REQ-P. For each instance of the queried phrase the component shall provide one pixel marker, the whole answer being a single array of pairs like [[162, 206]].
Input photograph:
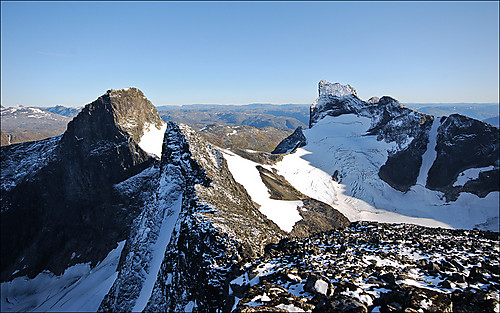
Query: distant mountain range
[[286, 117], [66, 111], [20, 124], [487, 112]]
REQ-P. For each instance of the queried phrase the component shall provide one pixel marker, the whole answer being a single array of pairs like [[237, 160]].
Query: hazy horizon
[[277, 104]]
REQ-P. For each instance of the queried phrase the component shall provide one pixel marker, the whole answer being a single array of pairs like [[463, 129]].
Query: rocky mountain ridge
[[216, 226]]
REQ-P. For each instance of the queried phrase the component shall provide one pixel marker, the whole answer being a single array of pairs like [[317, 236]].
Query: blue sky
[[70, 53]]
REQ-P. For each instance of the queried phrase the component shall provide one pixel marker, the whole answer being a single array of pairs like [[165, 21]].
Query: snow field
[[471, 174], [339, 143], [430, 154]]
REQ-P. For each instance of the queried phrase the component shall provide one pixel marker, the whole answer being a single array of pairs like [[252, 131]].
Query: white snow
[[263, 298], [283, 213], [358, 294], [430, 154], [294, 278], [321, 286], [471, 174], [167, 227], [152, 140], [338, 143], [289, 307], [79, 288]]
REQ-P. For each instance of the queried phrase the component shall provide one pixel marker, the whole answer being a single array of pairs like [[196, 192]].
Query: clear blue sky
[[245, 52]]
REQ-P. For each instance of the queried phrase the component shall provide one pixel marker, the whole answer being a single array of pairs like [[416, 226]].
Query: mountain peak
[[124, 90], [326, 88], [333, 99], [126, 108]]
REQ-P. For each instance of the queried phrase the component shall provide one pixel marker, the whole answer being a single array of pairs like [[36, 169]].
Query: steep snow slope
[[430, 154], [81, 288], [341, 144], [167, 227]]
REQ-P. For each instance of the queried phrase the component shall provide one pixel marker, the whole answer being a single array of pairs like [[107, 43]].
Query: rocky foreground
[[372, 267]]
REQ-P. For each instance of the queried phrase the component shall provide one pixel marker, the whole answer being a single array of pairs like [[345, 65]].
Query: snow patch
[[321, 286], [289, 308], [152, 140], [471, 174]]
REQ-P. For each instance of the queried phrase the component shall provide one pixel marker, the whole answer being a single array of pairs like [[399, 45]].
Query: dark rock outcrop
[[465, 143], [291, 143], [316, 216]]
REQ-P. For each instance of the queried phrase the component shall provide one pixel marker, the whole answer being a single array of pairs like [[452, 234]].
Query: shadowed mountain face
[[60, 200], [464, 143]]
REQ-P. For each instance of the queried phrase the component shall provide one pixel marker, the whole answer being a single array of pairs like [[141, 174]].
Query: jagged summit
[[326, 88], [337, 99]]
